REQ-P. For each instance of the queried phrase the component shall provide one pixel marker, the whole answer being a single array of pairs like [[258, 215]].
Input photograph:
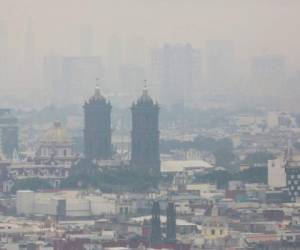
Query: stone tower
[[155, 224], [97, 127], [171, 222], [145, 134]]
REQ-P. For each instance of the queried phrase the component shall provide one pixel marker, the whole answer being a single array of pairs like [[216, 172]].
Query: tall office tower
[[78, 76], [131, 77], [114, 61], [292, 172], [268, 75], [220, 66], [29, 46], [97, 128], [52, 71], [177, 70], [3, 52], [86, 40], [155, 237], [145, 134], [8, 133], [171, 222]]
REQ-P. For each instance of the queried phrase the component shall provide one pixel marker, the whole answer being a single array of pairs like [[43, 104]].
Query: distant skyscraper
[[86, 41], [177, 69], [3, 52], [29, 46], [97, 127], [131, 77], [114, 61], [292, 171], [268, 75], [171, 222], [52, 72], [220, 66], [155, 225], [78, 76], [145, 134], [8, 133]]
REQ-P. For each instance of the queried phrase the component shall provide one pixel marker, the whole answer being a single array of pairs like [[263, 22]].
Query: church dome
[[145, 98], [56, 134], [97, 97]]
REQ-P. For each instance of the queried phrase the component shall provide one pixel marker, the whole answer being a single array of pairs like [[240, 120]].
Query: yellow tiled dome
[[56, 134]]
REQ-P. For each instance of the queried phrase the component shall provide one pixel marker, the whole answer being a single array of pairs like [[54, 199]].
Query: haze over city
[[149, 124], [125, 33]]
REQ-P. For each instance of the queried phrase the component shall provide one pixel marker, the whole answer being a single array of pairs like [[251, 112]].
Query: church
[[145, 154]]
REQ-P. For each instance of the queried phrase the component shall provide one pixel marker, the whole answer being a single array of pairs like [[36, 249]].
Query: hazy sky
[[256, 26]]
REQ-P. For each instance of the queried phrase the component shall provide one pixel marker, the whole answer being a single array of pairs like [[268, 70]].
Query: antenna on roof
[[145, 89]]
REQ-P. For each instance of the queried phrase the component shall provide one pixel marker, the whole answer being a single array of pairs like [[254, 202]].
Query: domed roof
[[215, 220], [145, 98], [97, 97], [56, 134]]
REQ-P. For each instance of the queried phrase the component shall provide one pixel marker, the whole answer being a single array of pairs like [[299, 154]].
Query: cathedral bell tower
[[97, 127], [145, 134]]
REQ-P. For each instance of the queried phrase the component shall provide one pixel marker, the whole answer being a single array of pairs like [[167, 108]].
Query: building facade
[[292, 170], [145, 134], [171, 222], [97, 128], [52, 162], [276, 173], [155, 224], [8, 133]]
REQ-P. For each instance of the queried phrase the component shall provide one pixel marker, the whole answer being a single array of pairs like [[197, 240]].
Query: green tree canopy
[[33, 184]]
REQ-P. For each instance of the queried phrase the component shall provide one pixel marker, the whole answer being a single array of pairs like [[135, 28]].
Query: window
[[213, 232]]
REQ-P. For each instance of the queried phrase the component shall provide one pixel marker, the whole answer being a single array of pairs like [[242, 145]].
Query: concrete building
[[8, 133], [292, 170], [269, 72], [66, 204], [177, 70], [276, 173]]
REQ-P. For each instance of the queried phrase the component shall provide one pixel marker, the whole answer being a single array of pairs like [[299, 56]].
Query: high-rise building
[[145, 134], [171, 222], [68, 79], [113, 62], [78, 76], [177, 70], [155, 224], [86, 41], [52, 72], [8, 133], [3, 52], [131, 77], [292, 170], [97, 127], [268, 73], [220, 66], [276, 173]]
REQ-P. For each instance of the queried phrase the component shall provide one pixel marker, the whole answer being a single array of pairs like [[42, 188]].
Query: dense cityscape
[[177, 134]]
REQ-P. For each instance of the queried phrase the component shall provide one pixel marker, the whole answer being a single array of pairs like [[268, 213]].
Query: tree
[[33, 184], [258, 159]]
